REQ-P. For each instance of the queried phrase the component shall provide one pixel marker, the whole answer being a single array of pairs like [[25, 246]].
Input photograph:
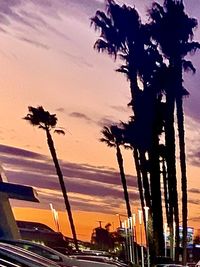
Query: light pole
[[120, 222], [55, 217], [124, 226], [142, 251], [146, 212], [135, 237], [132, 239], [165, 235], [174, 234], [129, 241]]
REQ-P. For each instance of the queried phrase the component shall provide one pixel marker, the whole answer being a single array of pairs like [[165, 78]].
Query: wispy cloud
[[194, 190], [106, 121], [35, 43], [121, 108], [103, 121], [61, 109], [84, 182], [78, 60], [194, 201], [80, 115], [192, 140]]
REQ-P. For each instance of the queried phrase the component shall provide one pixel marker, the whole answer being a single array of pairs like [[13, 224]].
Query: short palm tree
[[47, 122], [113, 138]]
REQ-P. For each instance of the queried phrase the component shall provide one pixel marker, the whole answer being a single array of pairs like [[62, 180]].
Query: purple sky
[[47, 58]]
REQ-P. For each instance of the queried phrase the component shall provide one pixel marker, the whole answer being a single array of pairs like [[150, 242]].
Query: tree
[[173, 30], [112, 137], [102, 238], [47, 122], [123, 35]]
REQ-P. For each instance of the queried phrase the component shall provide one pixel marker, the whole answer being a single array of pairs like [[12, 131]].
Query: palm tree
[[133, 137], [123, 35], [47, 122], [173, 30], [112, 137], [119, 39]]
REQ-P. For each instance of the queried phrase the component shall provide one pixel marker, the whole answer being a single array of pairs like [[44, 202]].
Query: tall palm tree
[[132, 136], [47, 122], [172, 28], [123, 35], [112, 137]]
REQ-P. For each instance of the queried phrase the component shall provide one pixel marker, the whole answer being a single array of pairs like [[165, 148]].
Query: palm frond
[[191, 48], [107, 142], [39, 117], [188, 66], [103, 46]]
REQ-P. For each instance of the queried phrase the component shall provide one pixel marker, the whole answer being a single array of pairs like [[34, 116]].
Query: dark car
[[20, 257], [6, 263], [59, 258], [41, 233]]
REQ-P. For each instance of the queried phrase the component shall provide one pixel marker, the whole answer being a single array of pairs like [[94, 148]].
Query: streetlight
[[131, 240], [146, 212], [120, 222], [124, 226], [55, 217], [165, 236], [135, 237], [140, 223]]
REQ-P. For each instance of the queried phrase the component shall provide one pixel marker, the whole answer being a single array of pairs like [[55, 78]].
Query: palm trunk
[[180, 119], [166, 191], [171, 170], [140, 187], [139, 178], [145, 180], [156, 197], [123, 180], [62, 185]]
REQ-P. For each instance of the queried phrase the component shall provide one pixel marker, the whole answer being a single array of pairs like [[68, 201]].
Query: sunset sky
[[47, 58]]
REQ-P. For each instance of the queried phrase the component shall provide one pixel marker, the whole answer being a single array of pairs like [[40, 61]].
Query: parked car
[[6, 263], [95, 252], [198, 264], [56, 256], [41, 233], [20, 257], [100, 258], [169, 265]]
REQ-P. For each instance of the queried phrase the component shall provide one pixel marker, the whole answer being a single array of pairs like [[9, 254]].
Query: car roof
[[21, 254]]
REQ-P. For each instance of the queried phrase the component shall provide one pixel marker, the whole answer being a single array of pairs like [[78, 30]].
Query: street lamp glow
[[134, 219], [142, 251], [140, 216], [146, 213], [146, 210]]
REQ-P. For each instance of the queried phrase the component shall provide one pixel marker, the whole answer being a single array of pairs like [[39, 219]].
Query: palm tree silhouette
[[112, 136], [123, 35], [47, 122], [173, 30], [132, 136], [119, 39]]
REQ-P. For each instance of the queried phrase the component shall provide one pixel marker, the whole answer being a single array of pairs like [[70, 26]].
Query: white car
[[57, 257], [198, 264]]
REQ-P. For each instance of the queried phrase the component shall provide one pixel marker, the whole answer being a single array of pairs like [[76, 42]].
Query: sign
[[190, 234]]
